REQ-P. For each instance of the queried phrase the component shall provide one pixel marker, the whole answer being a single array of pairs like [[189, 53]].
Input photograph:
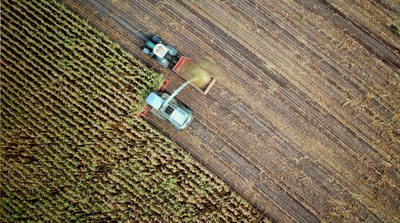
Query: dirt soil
[[304, 117]]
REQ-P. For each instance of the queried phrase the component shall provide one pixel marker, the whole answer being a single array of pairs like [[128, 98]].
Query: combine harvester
[[164, 105]]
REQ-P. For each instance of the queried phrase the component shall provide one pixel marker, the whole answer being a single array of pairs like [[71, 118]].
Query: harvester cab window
[[169, 110]]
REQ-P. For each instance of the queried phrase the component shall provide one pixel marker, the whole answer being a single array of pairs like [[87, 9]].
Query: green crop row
[[73, 148]]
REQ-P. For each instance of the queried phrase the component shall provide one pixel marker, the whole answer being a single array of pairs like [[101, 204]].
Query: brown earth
[[304, 118]]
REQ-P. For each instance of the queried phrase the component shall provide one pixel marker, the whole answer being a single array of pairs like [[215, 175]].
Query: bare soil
[[304, 117]]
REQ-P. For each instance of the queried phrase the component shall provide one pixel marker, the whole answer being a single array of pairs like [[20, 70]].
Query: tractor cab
[[164, 54]]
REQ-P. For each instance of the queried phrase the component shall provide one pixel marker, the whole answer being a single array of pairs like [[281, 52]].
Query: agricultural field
[[72, 146], [303, 120]]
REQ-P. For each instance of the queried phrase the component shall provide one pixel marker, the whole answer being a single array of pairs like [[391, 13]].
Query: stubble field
[[304, 118]]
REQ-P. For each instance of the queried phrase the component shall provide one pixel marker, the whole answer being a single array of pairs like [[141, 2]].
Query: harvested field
[[304, 118], [72, 146]]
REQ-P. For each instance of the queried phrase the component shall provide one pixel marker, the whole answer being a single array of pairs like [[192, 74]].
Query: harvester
[[165, 105]]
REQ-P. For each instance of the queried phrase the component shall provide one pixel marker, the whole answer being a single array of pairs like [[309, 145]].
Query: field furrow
[[304, 117]]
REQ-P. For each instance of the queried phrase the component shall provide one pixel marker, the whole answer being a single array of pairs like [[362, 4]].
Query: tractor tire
[[146, 51], [155, 39]]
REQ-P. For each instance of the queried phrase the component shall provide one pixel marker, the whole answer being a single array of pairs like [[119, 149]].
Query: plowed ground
[[304, 118]]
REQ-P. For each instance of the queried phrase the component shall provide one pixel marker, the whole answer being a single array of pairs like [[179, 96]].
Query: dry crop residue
[[304, 118]]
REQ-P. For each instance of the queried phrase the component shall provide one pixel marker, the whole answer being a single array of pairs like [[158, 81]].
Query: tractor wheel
[[164, 62], [155, 39], [146, 50], [174, 60]]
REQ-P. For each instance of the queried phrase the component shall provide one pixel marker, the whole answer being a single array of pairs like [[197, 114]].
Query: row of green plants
[[73, 146]]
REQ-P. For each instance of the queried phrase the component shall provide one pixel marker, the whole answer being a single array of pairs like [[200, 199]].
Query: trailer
[[184, 65]]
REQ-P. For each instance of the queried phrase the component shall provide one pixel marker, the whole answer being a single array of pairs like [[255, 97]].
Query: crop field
[[303, 120], [72, 146]]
